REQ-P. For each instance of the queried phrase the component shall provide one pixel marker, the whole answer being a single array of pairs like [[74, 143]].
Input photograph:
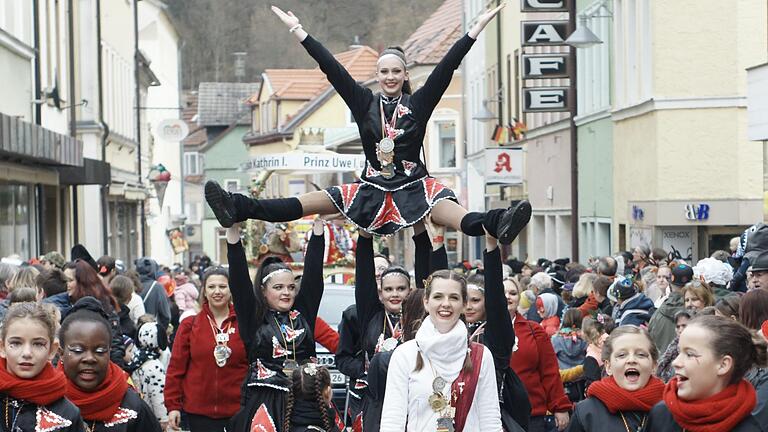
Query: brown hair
[[733, 339], [123, 288], [23, 295], [52, 282], [449, 275], [753, 309], [25, 277], [701, 290], [29, 310], [413, 314], [308, 387], [601, 285], [594, 328], [572, 319], [729, 306], [628, 330], [88, 283], [211, 271]]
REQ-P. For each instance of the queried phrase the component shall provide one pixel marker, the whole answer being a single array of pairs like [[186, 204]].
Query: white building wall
[[159, 41]]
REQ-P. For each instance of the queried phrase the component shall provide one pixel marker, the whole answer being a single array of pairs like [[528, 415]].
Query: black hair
[[397, 269], [87, 309], [268, 265], [378, 255]]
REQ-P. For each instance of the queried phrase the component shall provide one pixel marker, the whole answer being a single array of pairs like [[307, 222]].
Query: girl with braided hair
[[308, 406], [395, 190]]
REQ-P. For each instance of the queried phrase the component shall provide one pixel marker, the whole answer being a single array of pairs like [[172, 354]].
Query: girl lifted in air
[[395, 190]]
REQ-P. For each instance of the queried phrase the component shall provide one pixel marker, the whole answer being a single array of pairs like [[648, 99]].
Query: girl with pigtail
[[308, 406], [276, 320]]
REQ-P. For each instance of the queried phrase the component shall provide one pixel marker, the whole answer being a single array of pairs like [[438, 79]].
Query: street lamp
[[485, 115], [583, 37]]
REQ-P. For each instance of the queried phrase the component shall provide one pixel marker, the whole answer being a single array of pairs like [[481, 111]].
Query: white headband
[[274, 272], [476, 287], [390, 55]]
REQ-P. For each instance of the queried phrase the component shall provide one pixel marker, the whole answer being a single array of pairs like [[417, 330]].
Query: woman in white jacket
[[438, 381]]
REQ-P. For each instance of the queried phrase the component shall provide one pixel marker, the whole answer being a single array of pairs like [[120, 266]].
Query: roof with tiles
[[197, 135], [221, 104], [432, 40], [306, 84]]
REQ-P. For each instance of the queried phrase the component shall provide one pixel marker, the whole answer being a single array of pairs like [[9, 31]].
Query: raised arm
[[499, 331], [423, 249], [366, 291], [426, 98], [356, 97], [312, 285], [241, 287]]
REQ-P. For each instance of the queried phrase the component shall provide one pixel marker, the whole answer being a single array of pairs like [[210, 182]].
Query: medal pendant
[[221, 353], [389, 345], [445, 424], [387, 171], [289, 366], [437, 402], [222, 338], [438, 384], [386, 145]]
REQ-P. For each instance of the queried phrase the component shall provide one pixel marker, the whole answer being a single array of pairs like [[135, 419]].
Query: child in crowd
[[31, 390], [96, 385], [709, 392], [308, 407], [122, 289], [185, 294], [148, 369], [632, 306], [546, 305], [665, 370], [621, 401], [570, 349], [595, 331], [527, 298]]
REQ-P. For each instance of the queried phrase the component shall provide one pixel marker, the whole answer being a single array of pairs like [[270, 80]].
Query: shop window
[[446, 136], [15, 228]]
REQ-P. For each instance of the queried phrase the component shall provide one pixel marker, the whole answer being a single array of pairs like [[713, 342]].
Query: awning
[[93, 172]]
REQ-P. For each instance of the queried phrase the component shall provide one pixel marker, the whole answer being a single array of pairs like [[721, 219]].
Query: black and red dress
[[384, 202]]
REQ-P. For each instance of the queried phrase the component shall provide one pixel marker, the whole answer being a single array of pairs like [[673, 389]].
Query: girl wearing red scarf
[[96, 385], [709, 392], [31, 390], [621, 401]]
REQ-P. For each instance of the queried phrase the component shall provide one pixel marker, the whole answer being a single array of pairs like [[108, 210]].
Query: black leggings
[[198, 423]]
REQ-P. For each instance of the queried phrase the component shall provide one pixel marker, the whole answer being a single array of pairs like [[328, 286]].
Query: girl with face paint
[[96, 385], [395, 190]]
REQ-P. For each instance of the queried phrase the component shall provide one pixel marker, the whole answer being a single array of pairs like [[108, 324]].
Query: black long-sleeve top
[[412, 117], [350, 359], [263, 339]]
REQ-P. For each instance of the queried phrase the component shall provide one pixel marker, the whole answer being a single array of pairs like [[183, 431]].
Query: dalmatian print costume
[[149, 378]]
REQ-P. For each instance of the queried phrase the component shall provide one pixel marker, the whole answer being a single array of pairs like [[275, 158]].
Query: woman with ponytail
[[709, 392], [621, 400], [31, 390], [276, 321], [94, 384], [440, 380], [308, 407], [395, 190]]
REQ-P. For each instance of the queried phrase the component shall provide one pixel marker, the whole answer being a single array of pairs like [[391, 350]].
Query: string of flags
[[514, 131]]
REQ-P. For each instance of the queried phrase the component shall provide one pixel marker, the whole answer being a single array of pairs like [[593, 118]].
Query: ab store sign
[[545, 66]]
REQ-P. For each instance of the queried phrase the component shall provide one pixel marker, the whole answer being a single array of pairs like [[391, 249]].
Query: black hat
[[681, 275], [761, 263], [80, 252]]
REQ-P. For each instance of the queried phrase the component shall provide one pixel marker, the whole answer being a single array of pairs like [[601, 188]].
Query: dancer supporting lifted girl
[[395, 190]]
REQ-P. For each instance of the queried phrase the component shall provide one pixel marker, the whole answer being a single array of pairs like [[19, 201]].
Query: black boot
[[221, 202], [507, 224], [230, 208], [472, 224]]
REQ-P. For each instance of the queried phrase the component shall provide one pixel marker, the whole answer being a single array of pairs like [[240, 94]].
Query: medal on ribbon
[[385, 149], [221, 353]]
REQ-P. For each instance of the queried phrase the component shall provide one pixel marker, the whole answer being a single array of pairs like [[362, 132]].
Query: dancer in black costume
[[395, 190], [276, 324]]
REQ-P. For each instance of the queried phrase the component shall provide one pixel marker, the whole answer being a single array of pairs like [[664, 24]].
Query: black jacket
[[134, 415], [25, 415], [350, 358], [660, 420], [592, 415]]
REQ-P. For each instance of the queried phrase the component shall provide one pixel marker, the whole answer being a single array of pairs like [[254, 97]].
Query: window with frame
[[193, 163], [446, 138], [232, 185]]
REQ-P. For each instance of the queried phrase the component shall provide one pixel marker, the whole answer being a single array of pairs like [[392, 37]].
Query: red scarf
[[102, 403], [47, 387], [721, 412], [618, 399], [463, 395]]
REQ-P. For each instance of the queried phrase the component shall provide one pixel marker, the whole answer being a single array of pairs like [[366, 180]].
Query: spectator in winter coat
[[632, 306], [546, 307], [541, 283], [662, 323], [185, 294], [154, 295]]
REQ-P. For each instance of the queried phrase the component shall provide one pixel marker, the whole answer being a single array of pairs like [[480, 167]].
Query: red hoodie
[[535, 363], [194, 383], [325, 335]]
